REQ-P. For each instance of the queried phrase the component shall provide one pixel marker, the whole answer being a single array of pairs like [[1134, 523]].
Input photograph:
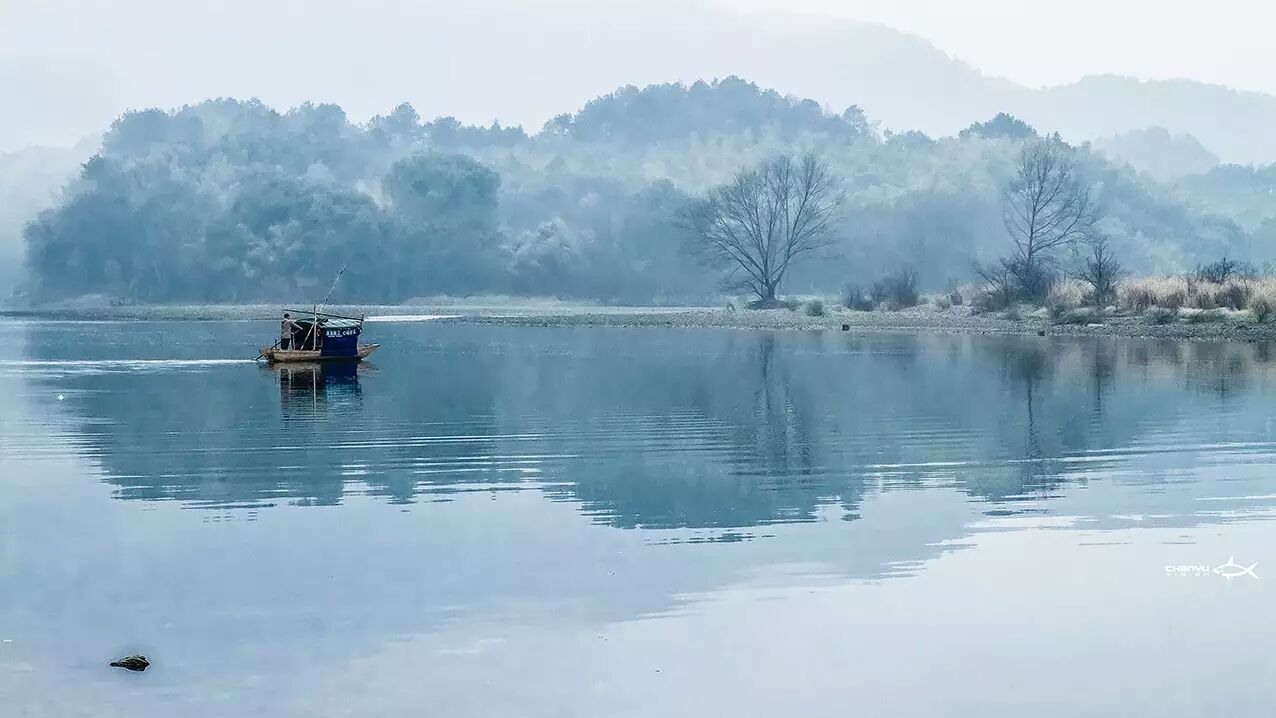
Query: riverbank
[[1188, 324], [1192, 326]]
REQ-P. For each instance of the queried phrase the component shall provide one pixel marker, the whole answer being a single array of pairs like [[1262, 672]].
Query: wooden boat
[[321, 337], [275, 354]]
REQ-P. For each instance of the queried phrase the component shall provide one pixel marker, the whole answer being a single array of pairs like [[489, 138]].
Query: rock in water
[[133, 663]]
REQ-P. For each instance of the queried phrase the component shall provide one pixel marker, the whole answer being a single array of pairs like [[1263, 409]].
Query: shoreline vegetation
[[1238, 308], [667, 194], [1187, 323]]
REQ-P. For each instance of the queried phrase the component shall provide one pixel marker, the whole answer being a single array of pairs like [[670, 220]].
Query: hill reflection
[[676, 429]]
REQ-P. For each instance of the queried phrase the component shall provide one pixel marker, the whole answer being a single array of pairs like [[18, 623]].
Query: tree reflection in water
[[662, 428]]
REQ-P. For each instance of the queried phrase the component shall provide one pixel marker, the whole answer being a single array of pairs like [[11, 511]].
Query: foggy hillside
[[1234, 125], [30, 180], [1163, 156], [448, 59], [232, 200]]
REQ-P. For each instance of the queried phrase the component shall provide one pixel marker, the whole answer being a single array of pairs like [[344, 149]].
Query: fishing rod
[[333, 288], [314, 328]]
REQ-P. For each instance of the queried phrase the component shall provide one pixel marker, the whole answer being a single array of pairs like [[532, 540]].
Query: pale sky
[[67, 67], [1228, 42]]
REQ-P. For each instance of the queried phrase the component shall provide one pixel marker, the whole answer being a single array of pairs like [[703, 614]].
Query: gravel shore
[[957, 320], [1233, 326]]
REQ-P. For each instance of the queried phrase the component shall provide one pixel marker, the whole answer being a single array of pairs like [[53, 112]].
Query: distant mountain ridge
[[1234, 125], [537, 61], [928, 90], [1165, 157]]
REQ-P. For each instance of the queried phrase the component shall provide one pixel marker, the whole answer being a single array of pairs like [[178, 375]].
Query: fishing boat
[[319, 336]]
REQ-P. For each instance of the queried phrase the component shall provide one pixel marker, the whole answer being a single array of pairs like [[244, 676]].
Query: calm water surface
[[488, 521]]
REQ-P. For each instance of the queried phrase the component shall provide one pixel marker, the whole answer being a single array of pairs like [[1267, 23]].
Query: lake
[[496, 521]]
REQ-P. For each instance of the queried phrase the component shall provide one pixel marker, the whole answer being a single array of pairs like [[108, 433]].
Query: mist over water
[[610, 521]]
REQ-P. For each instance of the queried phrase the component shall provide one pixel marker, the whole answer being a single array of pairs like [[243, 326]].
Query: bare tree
[[1101, 270], [999, 284], [764, 220], [1224, 269], [1046, 206]]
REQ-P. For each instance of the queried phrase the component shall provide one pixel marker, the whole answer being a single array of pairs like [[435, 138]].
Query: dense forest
[[232, 200]]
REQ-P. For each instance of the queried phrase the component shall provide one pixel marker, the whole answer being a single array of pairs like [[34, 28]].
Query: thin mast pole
[[334, 284]]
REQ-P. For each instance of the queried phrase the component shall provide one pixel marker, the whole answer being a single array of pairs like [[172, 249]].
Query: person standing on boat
[[286, 330]]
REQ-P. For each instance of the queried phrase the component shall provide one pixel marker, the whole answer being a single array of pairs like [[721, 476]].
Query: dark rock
[[1041, 332], [846, 327], [133, 663]]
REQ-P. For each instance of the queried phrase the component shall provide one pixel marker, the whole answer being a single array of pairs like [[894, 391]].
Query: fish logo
[[1231, 569]]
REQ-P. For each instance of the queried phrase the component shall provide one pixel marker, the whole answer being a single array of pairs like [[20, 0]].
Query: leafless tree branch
[[765, 219], [1046, 206]]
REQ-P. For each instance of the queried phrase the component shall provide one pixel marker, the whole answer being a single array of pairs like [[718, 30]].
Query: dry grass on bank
[[1195, 300], [1159, 299], [1137, 295]]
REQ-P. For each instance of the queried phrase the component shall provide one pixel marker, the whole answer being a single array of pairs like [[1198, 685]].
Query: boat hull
[[276, 355]]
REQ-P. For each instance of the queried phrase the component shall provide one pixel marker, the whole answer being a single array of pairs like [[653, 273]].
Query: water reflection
[[714, 430], [679, 521], [307, 388]]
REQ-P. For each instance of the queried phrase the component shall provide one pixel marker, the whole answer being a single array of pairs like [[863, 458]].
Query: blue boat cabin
[[334, 337]]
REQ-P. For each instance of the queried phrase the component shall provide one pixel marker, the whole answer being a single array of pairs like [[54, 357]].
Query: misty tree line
[[230, 201]]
